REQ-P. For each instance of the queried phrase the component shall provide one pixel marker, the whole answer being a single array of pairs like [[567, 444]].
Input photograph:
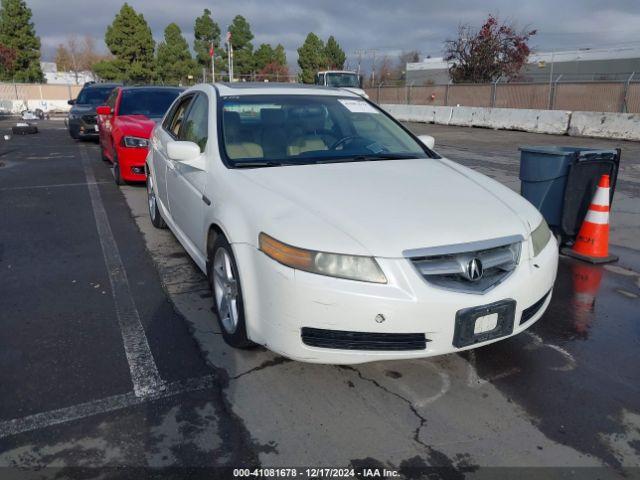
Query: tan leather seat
[[244, 150], [235, 145], [310, 140]]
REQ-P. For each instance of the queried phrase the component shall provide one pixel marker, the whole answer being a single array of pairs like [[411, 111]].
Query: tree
[[263, 56], [174, 58], [496, 50], [18, 34], [77, 55], [88, 54], [267, 55], [108, 70], [63, 59], [311, 58], [280, 55], [241, 37], [206, 32], [130, 40], [411, 56], [334, 54], [7, 58], [274, 71]]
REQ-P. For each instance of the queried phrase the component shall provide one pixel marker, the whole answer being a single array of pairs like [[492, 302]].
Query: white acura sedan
[[331, 234]]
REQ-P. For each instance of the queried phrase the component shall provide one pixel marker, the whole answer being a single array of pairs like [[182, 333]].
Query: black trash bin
[[561, 181]]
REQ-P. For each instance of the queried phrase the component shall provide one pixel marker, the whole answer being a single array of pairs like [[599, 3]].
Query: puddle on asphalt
[[577, 371]]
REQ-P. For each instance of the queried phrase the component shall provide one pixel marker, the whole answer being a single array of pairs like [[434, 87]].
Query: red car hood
[[136, 125]]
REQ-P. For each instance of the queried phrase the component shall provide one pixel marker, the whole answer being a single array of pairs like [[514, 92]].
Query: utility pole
[[359, 52], [373, 51]]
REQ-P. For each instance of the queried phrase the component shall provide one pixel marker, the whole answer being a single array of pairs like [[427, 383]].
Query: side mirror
[[103, 110], [183, 151], [428, 141], [72, 101]]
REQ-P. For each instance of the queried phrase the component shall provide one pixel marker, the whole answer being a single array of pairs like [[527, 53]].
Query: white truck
[[341, 79]]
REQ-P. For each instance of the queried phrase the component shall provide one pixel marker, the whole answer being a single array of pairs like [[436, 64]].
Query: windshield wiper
[[257, 164], [266, 163], [369, 158]]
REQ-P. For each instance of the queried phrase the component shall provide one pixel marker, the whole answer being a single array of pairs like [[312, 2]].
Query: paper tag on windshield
[[357, 106]]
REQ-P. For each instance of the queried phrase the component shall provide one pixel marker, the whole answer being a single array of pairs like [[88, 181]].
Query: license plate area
[[486, 322]]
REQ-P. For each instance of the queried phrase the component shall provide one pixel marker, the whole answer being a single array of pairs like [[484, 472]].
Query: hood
[[137, 125], [383, 208], [83, 109]]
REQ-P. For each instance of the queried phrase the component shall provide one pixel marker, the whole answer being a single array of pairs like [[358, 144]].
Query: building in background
[[54, 77], [586, 65]]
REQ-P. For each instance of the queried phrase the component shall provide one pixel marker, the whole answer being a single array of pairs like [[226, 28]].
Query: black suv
[[82, 121]]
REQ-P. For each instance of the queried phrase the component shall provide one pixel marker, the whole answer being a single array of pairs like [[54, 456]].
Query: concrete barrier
[[527, 120], [623, 126]]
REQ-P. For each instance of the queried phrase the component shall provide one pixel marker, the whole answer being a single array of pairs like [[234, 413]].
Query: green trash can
[[560, 182]]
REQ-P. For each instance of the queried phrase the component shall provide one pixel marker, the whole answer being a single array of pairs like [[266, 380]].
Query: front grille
[[90, 119], [344, 340], [451, 269], [529, 312]]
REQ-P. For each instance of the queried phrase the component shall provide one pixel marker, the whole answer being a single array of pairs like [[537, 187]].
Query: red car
[[125, 123]]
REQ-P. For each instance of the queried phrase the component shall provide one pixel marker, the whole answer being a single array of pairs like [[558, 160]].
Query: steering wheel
[[343, 141]]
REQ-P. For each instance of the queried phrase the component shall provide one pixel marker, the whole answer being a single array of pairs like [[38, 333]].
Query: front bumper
[[280, 302], [132, 162], [80, 127]]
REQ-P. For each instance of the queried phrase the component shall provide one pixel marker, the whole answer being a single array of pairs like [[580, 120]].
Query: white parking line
[[57, 185], [144, 372], [97, 407]]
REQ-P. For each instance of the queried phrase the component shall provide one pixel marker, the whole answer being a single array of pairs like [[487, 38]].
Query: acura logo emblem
[[474, 270]]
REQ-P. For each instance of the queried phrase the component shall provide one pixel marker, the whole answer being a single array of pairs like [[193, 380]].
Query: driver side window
[[173, 122], [195, 127]]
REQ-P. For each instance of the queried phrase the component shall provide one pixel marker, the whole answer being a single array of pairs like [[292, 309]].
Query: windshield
[[94, 95], [272, 130], [148, 102], [350, 80]]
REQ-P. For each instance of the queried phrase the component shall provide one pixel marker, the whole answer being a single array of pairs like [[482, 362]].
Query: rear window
[[94, 95], [148, 102]]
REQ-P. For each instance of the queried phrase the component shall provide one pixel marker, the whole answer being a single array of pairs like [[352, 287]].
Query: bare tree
[[77, 55], [495, 50]]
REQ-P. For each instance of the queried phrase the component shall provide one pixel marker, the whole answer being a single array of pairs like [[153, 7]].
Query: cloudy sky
[[389, 26]]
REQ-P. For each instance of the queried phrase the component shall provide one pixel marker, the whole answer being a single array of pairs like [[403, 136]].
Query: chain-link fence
[[576, 96]]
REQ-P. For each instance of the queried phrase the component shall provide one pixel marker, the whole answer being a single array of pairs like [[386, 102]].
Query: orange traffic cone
[[592, 243]]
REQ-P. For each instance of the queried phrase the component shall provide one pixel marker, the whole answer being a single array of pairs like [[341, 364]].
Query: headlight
[[540, 237], [135, 142], [352, 267]]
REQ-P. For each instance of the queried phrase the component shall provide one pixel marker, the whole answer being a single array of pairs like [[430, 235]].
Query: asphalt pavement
[[111, 356]]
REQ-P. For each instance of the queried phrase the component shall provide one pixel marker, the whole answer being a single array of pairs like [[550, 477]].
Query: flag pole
[[213, 63], [230, 56]]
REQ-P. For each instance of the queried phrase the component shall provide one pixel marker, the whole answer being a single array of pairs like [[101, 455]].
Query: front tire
[[117, 175], [152, 201], [227, 294], [103, 157]]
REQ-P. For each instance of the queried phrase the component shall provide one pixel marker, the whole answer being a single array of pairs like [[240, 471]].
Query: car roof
[[272, 88], [101, 85], [151, 87]]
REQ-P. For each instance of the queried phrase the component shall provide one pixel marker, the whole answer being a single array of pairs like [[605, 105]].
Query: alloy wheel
[[226, 290], [151, 198]]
